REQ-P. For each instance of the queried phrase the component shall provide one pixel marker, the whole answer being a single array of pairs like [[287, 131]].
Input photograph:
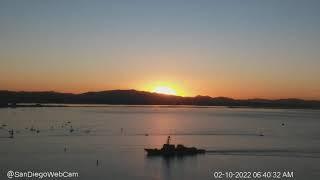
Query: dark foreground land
[[133, 97]]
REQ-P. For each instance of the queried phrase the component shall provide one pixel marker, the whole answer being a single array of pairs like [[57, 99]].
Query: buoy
[[71, 129], [11, 132]]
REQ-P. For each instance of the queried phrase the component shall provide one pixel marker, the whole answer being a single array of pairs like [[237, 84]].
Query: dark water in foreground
[[232, 137]]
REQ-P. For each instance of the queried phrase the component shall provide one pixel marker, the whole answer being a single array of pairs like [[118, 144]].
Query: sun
[[164, 90], [163, 87]]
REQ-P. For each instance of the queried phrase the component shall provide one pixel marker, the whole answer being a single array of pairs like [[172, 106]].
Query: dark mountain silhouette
[[133, 97]]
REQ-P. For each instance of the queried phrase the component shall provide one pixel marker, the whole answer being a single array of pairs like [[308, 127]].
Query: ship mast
[[168, 140]]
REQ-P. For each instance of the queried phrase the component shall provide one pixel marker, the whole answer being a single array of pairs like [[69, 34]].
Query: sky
[[239, 49]]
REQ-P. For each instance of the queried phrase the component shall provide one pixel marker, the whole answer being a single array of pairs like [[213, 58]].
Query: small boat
[[172, 150]]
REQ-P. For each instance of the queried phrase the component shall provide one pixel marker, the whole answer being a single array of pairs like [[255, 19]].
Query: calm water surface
[[116, 137]]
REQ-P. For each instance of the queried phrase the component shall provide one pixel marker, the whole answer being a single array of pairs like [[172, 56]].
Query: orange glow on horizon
[[164, 88], [172, 87]]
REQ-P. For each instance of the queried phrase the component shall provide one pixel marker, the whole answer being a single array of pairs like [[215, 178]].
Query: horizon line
[[254, 98]]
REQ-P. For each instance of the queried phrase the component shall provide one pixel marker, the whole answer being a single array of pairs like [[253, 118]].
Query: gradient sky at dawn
[[239, 49]]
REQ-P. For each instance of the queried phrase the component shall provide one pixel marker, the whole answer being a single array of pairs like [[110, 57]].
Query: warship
[[172, 150]]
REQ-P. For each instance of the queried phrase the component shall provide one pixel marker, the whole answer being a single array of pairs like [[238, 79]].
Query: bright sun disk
[[164, 90]]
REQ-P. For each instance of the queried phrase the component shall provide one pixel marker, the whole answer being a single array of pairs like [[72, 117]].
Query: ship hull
[[185, 152]]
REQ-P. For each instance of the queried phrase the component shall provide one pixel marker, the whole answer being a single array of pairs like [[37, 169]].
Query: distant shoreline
[[13, 99], [37, 105]]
